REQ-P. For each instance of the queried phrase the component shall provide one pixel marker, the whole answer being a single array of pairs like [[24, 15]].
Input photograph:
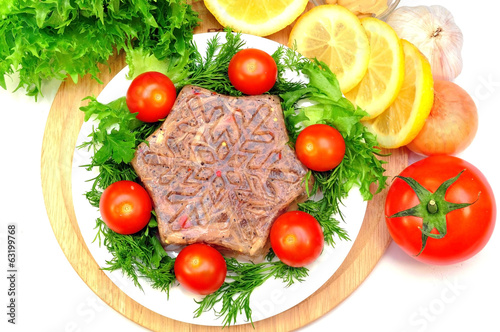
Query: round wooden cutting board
[[61, 132]]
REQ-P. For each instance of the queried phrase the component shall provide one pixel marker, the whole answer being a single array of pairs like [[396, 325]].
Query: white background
[[399, 295]]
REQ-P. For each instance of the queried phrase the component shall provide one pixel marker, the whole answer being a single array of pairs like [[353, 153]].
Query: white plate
[[268, 300]]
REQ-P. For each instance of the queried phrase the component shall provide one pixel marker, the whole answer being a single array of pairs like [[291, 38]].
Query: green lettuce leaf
[[53, 39]]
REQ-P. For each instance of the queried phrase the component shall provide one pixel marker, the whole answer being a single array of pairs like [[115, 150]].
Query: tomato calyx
[[432, 208]]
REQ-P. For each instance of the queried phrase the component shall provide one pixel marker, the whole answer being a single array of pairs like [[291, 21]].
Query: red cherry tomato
[[297, 238], [252, 71], [151, 95], [462, 231], [200, 269], [125, 207], [320, 147]]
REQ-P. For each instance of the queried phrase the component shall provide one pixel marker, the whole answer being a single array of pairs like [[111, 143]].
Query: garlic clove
[[434, 31]]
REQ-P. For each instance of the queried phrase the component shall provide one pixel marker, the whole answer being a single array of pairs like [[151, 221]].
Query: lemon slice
[[381, 84], [256, 17], [334, 35], [402, 121]]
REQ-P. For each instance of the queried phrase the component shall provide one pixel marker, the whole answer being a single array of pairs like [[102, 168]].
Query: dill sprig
[[140, 255], [324, 212], [109, 172], [243, 279], [287, 62], [210, 71]]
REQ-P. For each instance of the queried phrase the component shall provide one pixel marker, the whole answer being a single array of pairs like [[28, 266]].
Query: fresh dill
[[210, 71], [138, 256], [243, 279]]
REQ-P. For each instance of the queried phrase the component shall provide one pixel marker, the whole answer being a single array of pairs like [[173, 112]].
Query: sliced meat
[[219, 170]]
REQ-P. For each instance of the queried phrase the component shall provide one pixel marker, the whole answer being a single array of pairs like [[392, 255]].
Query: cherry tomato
[[151, 95], [200, 269], [451, 125], [320, 147], [457, 232], [252, 71], [297, 238], [125, 207]]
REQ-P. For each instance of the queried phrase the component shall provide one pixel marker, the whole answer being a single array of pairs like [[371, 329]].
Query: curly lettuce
[[53, 39]]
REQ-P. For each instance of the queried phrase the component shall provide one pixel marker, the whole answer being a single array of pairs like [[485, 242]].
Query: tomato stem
[[433, 213], [432, 207]]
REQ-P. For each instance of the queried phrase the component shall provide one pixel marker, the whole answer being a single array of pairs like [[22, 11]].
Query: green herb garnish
[[210, 71], [138, 256], [113, 143], [42, 40], [244, 278], [325, 104]]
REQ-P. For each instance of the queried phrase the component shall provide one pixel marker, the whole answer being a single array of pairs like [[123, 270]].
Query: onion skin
[[451, 125]]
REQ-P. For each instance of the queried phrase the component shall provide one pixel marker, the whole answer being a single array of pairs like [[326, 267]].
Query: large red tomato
[[151, 95], [252, 71], [297, 238], [125, 207], [200, 269], [320, 147], [451, 215]]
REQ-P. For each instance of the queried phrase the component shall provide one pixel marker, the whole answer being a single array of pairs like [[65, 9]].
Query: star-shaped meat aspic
[[220, 170]]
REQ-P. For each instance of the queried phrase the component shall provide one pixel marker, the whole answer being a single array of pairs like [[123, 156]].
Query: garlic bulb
[[433, 30]]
